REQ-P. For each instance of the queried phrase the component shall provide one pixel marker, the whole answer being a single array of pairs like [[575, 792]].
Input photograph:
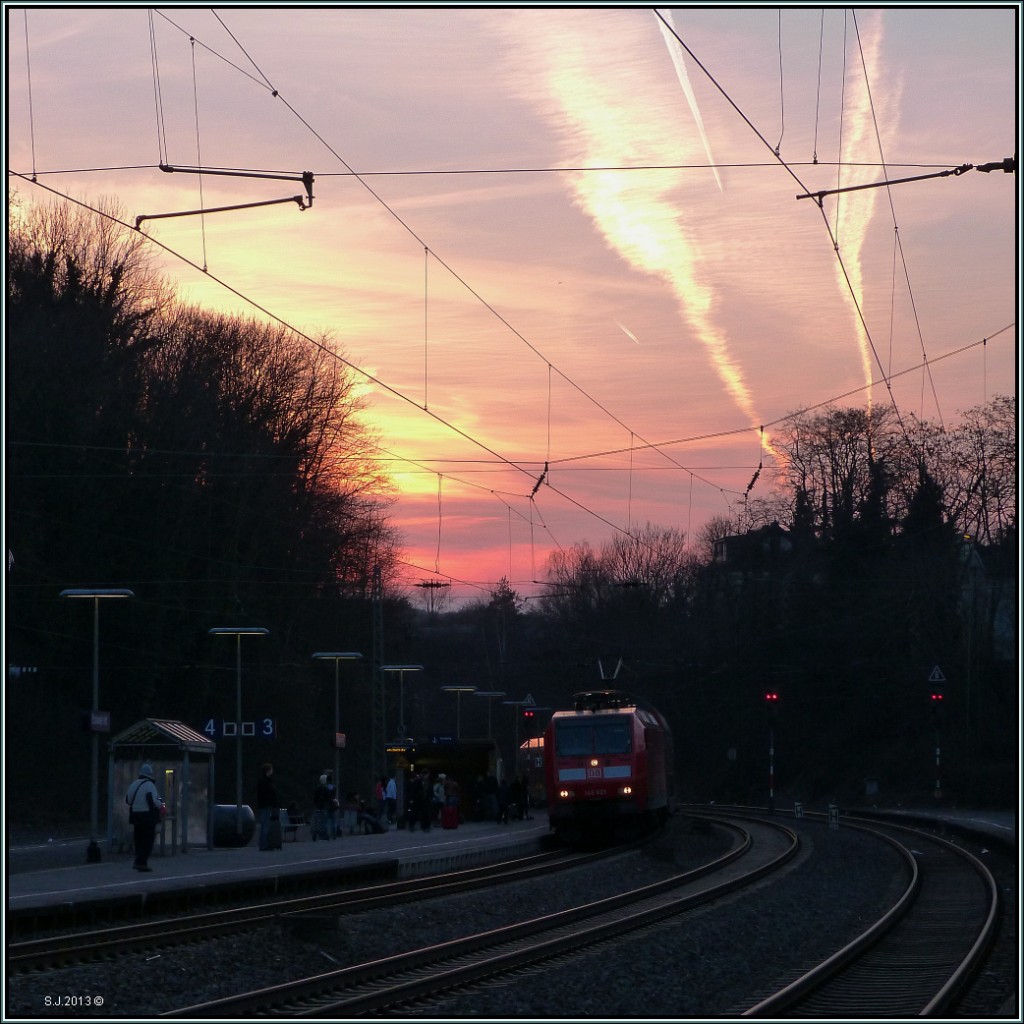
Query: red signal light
[[771, 696]]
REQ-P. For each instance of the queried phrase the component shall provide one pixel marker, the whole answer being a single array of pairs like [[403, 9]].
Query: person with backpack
[[144, 812]]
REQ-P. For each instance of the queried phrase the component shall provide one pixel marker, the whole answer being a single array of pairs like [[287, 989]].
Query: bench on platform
[[291, 822]]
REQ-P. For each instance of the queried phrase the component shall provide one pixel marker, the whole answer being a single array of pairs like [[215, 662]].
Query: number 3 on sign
[[269, 728]]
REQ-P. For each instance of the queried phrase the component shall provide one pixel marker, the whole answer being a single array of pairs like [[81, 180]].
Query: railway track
[[916, 960], [432, 972], [163, 932]]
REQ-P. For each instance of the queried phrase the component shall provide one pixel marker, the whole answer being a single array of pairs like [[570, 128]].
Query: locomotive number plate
[[593, 773]]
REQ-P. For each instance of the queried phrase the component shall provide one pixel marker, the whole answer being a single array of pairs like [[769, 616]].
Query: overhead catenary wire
[[199, 152], [832, 235], [161, 126], [498, 315], [521, 465], [817, 98], [368, 376], [782, 93], [892, 213], [419, 172], [447, 267], [633, 444], [31, 114]]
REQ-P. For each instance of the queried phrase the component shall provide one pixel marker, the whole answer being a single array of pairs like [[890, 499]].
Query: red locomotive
[[608, 767]]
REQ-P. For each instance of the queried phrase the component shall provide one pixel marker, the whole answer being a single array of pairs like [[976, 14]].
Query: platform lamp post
[[238, 632], [400, 781], [458, 691], [401, 670], [489, 696], [337, 656], [96, 594]]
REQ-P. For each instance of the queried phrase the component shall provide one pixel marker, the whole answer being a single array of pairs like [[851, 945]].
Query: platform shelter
[[183, 764]]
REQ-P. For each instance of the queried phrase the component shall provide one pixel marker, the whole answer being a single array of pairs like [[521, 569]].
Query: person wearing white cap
[[321, 809], [143, 802]]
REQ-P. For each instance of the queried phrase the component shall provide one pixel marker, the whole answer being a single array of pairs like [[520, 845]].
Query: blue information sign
[[222, 728]]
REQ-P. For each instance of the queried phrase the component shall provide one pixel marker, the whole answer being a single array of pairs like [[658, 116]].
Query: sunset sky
[[562, 239]]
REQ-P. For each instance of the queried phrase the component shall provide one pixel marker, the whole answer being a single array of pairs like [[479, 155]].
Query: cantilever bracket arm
[[304, 202], [963, 168], [222, 209]]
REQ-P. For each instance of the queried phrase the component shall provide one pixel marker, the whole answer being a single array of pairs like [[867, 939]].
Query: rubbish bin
[[225, 825]]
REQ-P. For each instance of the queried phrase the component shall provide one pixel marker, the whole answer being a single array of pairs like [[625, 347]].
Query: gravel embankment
[[707, 964]]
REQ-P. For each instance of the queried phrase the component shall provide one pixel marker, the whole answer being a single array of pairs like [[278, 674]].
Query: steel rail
[[915, 959], [398, 980], [85, 946]]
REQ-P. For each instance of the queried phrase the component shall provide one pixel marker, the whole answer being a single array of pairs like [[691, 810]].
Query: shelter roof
[[163, 732]]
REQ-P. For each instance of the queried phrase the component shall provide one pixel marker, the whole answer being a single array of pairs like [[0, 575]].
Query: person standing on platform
[[524, 798], [420, 799], [321, 809], [504, 799], [452, 793], [333, 809], [437, 797], [351, 812], [143, 802], [426, 802], [391, 798], [266, 803]]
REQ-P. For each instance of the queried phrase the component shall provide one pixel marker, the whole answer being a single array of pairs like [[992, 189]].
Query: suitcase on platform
[[274, 834], [449, 817]]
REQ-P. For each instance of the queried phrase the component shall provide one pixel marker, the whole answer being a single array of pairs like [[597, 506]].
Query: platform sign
[[339, 740], [222, 728], [99, 721]]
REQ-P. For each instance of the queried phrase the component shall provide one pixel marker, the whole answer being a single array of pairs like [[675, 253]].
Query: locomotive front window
[[575, 740], [613, 738], [595, 736]]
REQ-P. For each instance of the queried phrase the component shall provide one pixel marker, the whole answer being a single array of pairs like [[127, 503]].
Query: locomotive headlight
[[563, 794], [594, 762], [627, 790]]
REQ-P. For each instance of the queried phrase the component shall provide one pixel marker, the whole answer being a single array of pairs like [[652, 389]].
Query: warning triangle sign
[[528, 699], [936, 676]]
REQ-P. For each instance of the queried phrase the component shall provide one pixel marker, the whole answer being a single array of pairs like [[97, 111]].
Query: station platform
[[1000, 826], [41, 876]]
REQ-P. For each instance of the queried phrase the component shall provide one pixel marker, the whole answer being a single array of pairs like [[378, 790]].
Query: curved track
[[431, 972], [916, 959]]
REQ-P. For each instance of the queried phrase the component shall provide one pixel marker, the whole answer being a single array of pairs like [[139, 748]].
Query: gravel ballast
[[708, 963]]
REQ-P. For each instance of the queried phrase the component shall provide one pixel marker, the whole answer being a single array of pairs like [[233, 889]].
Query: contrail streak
[[627, 332], [854, 215], [684, 80]]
